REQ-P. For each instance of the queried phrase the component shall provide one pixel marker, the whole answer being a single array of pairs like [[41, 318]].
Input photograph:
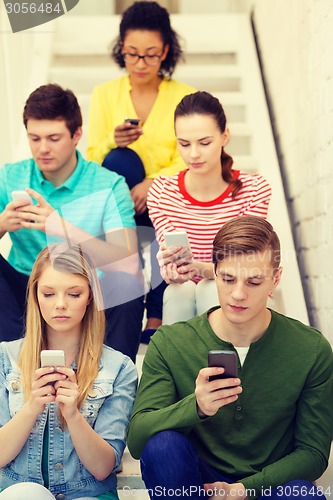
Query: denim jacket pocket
[[15, 392], [96, 397]]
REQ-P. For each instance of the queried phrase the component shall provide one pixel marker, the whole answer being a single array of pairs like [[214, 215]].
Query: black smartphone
[[227, 359], [133, 121]]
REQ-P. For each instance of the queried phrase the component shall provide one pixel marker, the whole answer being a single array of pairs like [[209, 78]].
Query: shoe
[[146, 334]]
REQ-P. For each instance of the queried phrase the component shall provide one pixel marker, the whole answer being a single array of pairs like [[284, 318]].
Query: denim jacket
[[107, 409]]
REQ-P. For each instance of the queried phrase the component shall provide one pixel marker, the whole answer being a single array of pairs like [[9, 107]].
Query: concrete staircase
[[221, 58]]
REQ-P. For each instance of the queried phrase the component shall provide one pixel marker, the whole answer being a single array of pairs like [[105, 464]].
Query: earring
[[271, 295]]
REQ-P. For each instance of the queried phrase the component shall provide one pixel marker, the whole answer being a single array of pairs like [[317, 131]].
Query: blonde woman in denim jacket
[[62, 430]]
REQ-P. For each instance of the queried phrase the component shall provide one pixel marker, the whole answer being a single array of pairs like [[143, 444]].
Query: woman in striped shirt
[[199, 200]]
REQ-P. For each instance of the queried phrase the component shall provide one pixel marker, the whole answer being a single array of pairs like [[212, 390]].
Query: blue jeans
[[123, 299], [170, 462], [127, 163]]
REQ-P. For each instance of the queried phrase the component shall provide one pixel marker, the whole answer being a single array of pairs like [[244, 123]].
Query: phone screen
[[227, 359], [133, 121]]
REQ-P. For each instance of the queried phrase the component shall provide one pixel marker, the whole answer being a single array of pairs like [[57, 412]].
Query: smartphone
[[177, 239], [133, 121], [22, 196], [227, 359], [52, 357]]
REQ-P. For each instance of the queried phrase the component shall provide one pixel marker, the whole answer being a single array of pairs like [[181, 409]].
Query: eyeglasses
[[148, 59]]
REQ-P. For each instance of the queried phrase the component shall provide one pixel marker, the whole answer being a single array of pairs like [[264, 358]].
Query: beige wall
[[296, 41], [121, 5]]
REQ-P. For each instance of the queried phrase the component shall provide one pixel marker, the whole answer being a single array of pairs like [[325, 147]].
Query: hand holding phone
[[22, 196], [226, 359], [177, 239], [127, 132], [52, 357]]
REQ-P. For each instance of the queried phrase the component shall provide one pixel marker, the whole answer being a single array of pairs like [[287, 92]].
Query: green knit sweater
[[281, 426]]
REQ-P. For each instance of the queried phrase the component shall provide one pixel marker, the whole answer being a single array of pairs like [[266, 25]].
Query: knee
[[127, 163], [176, 292], [26, 490], [162, 447], [179, 303], [120, 289], [206, 295]]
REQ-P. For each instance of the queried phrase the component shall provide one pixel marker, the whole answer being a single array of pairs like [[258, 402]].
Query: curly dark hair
[[203, 103], [152, 17]]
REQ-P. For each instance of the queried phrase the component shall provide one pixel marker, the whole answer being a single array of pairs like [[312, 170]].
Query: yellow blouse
[[111, 103]]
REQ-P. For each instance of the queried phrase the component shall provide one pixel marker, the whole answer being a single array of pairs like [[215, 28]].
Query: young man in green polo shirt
[[264, 433], [73, 200]]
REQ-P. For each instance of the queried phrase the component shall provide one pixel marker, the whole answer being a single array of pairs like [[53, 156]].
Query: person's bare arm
[[120, 244]]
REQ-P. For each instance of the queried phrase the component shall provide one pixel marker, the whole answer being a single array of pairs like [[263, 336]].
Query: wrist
[[148, 181], [30, 411], [74, 418], [205, 270], [200, 413]]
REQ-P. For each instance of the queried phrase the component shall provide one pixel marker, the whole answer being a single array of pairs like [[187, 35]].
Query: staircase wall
[[296, 42]]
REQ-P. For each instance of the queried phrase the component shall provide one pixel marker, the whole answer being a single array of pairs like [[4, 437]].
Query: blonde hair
[[68, 260]]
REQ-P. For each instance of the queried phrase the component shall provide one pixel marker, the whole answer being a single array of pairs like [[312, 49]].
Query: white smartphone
[[177, 239], [52, 357], [22, 196]]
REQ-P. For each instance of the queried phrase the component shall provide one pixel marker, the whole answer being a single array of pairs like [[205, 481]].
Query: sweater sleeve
[[100, 133], [157, 407], [313, 430]]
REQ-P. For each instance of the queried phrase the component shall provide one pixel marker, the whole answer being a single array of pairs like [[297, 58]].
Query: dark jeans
[[170, 462], [127, 163], [122, 293]]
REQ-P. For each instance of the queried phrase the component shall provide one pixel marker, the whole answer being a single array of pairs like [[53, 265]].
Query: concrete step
[[82, 79], [232, 102], [221, 33], [130, 477], [223, 61]]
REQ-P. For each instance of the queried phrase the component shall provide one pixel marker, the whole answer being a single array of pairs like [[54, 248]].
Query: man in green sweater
[[264, 434]]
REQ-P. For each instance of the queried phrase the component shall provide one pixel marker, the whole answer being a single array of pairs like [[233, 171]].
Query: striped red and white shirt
[[172, 208]]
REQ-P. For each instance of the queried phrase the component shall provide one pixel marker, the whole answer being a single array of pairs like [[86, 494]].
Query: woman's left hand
[[67, 393], [139, 195]]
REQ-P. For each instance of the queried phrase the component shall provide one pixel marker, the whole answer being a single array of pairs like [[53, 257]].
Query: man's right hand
[[9, 220], [212, 395], [126, 133]]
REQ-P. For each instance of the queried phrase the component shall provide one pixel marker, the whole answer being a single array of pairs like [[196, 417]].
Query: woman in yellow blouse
[[148, 48]]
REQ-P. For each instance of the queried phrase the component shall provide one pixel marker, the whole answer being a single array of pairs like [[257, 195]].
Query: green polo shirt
[[92, 198]]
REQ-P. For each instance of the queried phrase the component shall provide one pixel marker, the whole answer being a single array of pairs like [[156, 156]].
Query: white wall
[[14, 57], [296, 41], [211, 6], [89, 7], [24, 60]]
